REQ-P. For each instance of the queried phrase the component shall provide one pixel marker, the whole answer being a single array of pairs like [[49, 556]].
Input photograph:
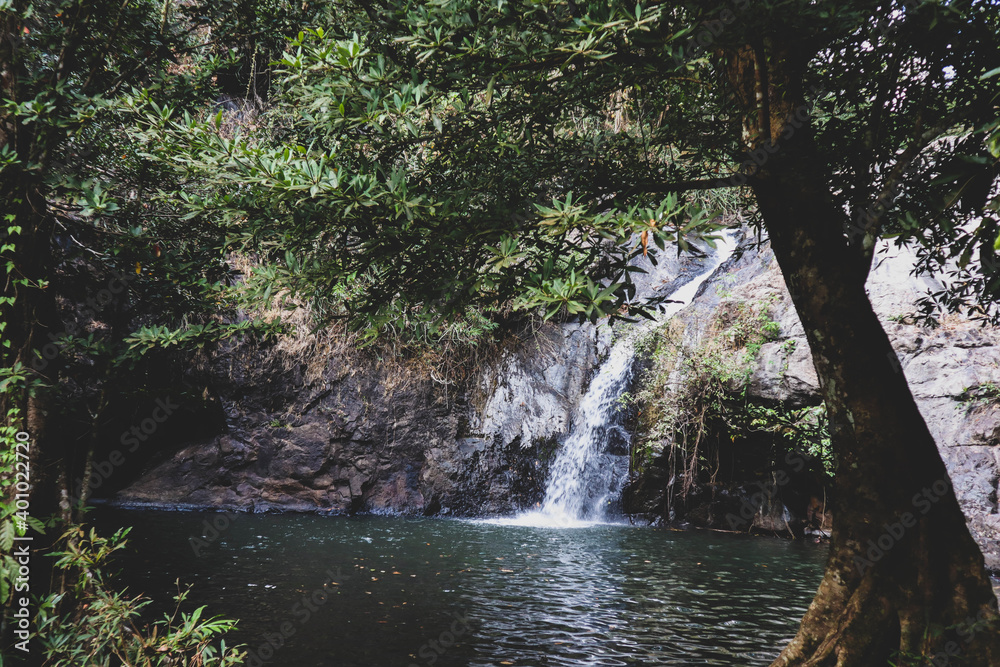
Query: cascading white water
[[585, 477]]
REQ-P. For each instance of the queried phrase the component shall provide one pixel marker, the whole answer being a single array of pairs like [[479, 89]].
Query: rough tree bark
[[903, 564], [905, 580]]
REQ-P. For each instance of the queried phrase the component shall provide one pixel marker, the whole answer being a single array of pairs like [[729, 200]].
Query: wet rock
[[312, 423]]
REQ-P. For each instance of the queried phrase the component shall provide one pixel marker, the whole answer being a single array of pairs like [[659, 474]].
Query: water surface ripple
[[397, 590]]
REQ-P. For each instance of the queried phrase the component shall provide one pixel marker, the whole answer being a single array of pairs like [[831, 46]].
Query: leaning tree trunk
[[905, 581], [904, 578]]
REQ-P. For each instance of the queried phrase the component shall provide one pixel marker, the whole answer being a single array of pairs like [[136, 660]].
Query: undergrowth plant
[[689, 398], [14, 380], [979, 395], [88, 623]]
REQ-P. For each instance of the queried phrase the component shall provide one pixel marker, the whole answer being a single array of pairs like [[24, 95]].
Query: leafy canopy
[[441, 157], [444, 154]]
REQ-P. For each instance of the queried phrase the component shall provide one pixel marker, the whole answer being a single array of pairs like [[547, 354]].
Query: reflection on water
[[380, 591]]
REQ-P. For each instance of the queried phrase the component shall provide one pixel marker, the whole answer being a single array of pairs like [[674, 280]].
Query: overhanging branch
[[697, 184]]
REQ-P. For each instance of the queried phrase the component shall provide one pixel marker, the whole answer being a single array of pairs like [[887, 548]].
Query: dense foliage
[[440, 155], [98, 283], [393, 179], [430, 167]]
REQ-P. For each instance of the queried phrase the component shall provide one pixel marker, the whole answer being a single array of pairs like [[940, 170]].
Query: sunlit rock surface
[[953, 370]]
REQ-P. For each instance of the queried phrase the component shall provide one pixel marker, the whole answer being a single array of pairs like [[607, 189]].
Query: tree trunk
[[905, 581], [903, 566], [32, 319]]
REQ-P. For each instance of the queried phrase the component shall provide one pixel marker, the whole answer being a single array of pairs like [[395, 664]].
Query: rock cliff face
[[313, 425], [953, 371], [322, 428], [317, 430]]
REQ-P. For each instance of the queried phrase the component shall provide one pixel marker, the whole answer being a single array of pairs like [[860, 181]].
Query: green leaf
[[489, 90], [6, 537]]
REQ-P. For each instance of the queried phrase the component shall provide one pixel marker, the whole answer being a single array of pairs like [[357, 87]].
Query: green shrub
[[87, 623], [687, 396]]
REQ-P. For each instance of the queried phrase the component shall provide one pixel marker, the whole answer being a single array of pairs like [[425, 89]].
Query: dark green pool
[[383, 591]]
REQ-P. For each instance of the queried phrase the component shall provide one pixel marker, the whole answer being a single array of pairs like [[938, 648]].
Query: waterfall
[[585, 476]]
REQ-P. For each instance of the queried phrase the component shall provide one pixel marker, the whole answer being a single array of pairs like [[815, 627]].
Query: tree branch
[[679, 186], [867, 225], [614, 199]]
